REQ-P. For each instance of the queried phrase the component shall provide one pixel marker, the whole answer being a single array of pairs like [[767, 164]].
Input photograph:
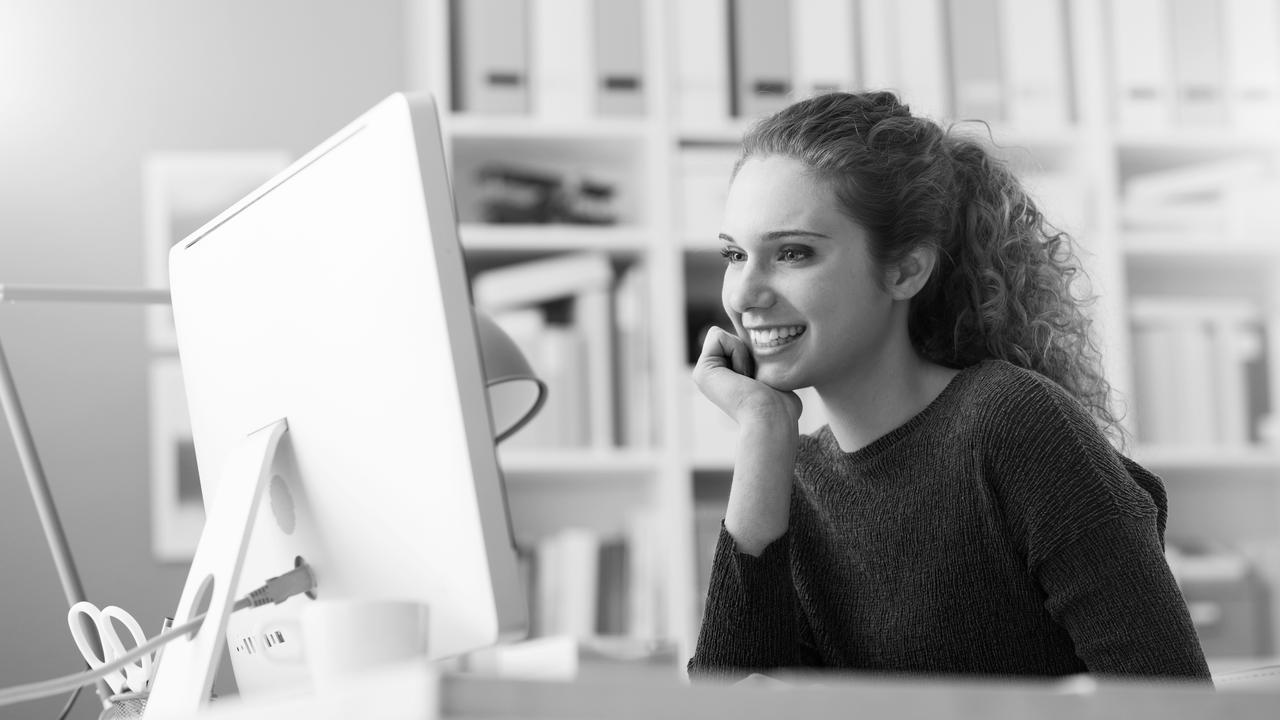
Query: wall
[[86, 89]]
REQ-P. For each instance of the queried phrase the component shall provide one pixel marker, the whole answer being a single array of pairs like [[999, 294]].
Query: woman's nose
[[746, 288]]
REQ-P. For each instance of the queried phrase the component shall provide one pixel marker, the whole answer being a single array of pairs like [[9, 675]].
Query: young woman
[[963, 511]]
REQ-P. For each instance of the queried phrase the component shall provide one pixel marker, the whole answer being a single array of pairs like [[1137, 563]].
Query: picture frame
[[177, 508], [181, 192]]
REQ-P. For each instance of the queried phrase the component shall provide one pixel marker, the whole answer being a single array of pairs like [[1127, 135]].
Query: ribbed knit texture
[[997, 532]]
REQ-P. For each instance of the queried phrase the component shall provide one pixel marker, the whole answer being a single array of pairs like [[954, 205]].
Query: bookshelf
[[1087, 154]]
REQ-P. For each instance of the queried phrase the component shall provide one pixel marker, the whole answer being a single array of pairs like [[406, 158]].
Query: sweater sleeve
[[1091, 535], [1112, 591], [750, 621]]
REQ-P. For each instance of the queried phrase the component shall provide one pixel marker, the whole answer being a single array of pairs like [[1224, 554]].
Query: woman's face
[[799, 284]]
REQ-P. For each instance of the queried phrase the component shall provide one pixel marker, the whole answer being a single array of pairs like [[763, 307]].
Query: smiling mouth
[[775, 337]]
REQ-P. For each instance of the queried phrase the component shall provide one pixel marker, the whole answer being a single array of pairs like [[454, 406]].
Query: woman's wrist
[[759, 505]]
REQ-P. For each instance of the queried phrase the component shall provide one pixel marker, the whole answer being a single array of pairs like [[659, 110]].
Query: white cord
[[277, 590], [45, 688]]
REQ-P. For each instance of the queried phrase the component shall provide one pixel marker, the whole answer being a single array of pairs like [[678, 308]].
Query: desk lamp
[[515, 396]]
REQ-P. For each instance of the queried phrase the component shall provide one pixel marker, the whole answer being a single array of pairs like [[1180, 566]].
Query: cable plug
[[282, 587]]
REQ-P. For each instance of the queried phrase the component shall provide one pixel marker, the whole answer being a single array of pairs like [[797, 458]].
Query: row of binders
[[552, 58], [584, 329], [1196, 63], [582, 583], [997, 60], [1199, 371]]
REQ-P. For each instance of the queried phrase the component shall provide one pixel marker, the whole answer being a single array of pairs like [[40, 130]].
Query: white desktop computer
[[335, 298]]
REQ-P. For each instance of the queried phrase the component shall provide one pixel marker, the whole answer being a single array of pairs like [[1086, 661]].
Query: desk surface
[[418, 691]]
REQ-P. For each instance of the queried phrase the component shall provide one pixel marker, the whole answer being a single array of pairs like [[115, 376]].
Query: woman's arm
[[1090, 529], [1112, 591], [750, 617]]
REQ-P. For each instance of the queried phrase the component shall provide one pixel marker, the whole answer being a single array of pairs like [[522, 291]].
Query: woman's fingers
[[723, 349]]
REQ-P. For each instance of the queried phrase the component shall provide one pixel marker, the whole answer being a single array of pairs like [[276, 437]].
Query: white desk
[[417, 691]]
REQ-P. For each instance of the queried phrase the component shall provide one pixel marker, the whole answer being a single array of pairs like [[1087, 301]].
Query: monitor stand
[[184, 681]]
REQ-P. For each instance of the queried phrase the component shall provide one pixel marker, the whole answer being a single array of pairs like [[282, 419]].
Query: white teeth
[[775, 336]]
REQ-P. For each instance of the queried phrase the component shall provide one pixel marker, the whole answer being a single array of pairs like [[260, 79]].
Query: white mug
[[342, 637]]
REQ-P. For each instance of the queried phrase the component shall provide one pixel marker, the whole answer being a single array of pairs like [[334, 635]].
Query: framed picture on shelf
[[177, 511], [181, 192]]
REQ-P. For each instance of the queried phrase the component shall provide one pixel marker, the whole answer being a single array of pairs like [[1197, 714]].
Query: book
[[1155, 384], [619, 33], [1141, 46], [543, 280], [824, 41], [760, 52], [904, 49], [491, 70], [634, 366], [1180, 182], [701, 82], [976, 65], [562, 61], [645, 588], [1037, 76], [920, 42], [1251, 31], [702, 190], [1198, 58]]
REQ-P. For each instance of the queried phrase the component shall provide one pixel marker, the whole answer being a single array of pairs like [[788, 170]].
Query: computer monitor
[[335, 297]]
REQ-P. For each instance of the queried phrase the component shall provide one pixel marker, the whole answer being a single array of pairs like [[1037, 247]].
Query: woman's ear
[[909, 276]]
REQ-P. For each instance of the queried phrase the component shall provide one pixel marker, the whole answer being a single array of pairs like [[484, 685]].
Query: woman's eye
[[793, 254], [732, 255]]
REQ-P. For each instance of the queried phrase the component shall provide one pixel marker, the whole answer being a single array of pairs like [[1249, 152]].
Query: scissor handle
[[115, 680], [138, 672]]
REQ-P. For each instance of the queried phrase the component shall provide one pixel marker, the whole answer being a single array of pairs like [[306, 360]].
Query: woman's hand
[[768, 437], [725, 373]]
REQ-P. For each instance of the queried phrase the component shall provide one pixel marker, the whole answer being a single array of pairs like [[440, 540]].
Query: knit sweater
[[997, 532]]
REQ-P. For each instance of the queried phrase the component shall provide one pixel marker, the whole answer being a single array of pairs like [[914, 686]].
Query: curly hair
[[1002, 286]]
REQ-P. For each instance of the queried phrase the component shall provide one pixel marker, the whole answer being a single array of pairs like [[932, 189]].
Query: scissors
[[136, 675]]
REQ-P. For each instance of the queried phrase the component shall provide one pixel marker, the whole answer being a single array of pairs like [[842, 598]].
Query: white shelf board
[[1196, 139], [534, 128], [567, 463], [1165, 457], [1199, 245], [609, 238]]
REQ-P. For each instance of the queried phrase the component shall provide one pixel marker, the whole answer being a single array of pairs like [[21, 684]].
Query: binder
[[1252, 37], [619, 50], [976, 73], [823, 38], [760, 48], [1198, 71], [1155, 383], [1143, 64], [1036, 71], [921, 44], [701, 31], [491, 74], [562, 59], [903, 45]]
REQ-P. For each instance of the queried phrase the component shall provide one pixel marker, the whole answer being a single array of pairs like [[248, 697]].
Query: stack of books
[[583, 583], [1233, 197], [1197, 364], [584, 329]]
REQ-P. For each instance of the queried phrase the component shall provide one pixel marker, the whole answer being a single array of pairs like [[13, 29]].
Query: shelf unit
[[1093, 153]]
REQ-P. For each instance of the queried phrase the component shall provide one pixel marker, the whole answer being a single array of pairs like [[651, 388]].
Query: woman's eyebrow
[[776, 235]]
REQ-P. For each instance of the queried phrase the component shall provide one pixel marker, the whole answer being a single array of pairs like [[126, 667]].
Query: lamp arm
[[54, 534], [49, 520]]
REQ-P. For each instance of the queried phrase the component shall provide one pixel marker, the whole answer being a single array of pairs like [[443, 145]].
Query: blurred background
[[590, 143]]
